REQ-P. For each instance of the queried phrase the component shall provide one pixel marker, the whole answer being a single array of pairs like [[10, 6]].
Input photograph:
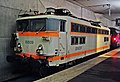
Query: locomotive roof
[[39, 16], [67, 18]]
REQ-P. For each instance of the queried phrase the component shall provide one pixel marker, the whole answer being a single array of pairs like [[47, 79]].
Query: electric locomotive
[[55, 38]]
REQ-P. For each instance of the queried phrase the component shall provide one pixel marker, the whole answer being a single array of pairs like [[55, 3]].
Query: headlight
[[40, 47], [19, 45], [40, 51], [18, 48]]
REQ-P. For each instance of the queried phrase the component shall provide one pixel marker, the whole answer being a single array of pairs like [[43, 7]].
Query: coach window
[[107, 32], [72, 27], [79, 27], [82, 28], [76, 40], [94, 30], [102, 31], [62, 26], [106, 39], [81, 40], [72, 40], [99, 31], [88, 29]]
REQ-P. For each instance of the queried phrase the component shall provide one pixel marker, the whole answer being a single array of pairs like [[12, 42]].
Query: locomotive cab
[[40, 38]]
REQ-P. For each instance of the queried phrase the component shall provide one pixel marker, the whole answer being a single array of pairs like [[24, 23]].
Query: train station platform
[[106, 71], [104, 68]]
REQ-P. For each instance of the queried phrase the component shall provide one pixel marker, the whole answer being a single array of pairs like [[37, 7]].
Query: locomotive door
[[62, 38]]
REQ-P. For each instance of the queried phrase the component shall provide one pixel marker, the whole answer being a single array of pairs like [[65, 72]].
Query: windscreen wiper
[[40, 29]]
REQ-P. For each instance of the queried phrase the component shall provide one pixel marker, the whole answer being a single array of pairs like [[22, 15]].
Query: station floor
[[106, 71]]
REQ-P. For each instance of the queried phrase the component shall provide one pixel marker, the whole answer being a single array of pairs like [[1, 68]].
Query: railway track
[[30, 76]]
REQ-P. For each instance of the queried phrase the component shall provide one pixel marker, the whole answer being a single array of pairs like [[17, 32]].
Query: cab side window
[[62, 26]]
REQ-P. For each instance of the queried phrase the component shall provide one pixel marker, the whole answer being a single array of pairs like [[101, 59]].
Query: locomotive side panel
[[103, 40], [80, 44]]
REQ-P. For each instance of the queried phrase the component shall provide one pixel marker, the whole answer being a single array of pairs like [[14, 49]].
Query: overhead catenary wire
[[11, 8], [20, 10], [42, 4]]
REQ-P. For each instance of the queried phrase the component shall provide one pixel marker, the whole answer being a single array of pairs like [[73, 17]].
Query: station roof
[[106, 7]]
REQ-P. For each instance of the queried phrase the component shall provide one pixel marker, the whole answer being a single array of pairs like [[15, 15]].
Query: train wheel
[[43, 71]]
